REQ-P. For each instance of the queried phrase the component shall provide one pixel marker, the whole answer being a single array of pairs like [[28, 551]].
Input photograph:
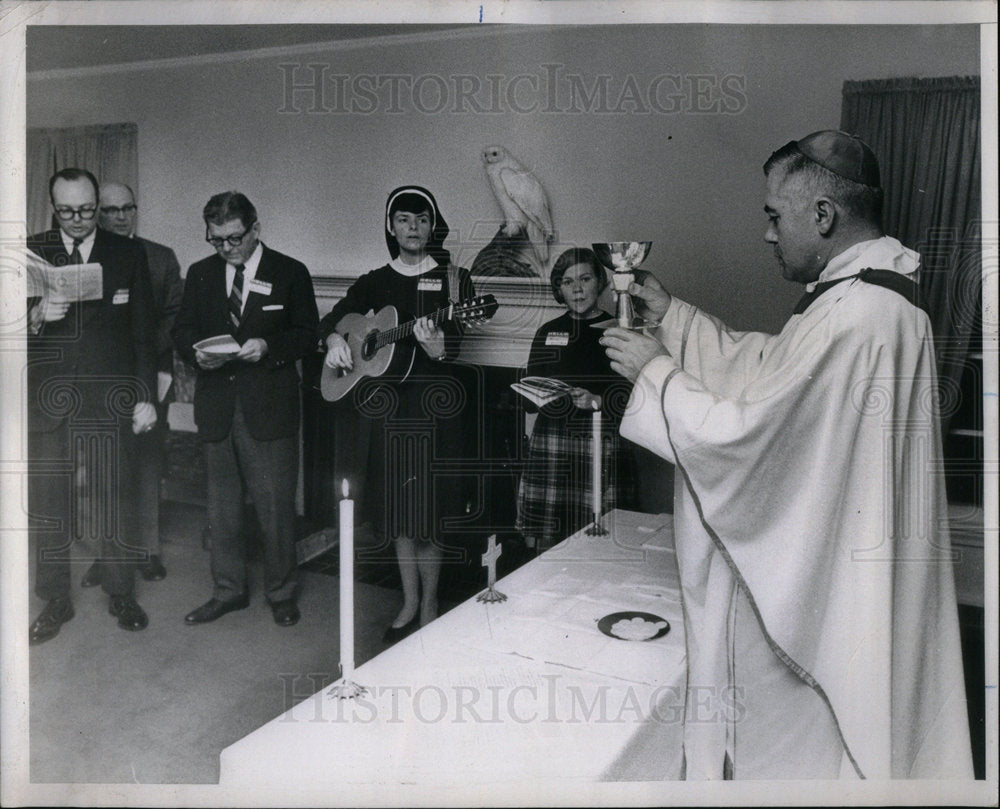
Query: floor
[[157, 706]]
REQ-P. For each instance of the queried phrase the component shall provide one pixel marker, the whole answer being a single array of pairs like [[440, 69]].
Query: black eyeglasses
[[233, 241], [66, 214], [112, 210]]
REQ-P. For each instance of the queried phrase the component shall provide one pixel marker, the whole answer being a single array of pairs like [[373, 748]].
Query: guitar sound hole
[[368, 349]]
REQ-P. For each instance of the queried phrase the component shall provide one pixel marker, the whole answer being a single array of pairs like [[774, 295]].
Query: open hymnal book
[[541, 389], [220, 344], [70, 282]]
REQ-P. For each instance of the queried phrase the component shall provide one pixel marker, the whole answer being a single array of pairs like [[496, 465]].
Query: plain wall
[[690, 179]]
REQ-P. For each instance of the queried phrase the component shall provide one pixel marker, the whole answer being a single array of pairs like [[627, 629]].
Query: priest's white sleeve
[[644, 422], [722, 358]]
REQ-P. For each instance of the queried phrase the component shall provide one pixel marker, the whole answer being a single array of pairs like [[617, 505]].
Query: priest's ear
[[826, 215]]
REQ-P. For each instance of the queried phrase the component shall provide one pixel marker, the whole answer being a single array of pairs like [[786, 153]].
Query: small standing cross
[[493, 551]]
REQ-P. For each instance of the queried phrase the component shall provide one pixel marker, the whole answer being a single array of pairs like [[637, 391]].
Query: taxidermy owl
[[523, 202]]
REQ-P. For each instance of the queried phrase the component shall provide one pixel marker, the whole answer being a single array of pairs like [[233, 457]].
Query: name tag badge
[[260, 287], [429, 285], [557, 338], [121, 296]]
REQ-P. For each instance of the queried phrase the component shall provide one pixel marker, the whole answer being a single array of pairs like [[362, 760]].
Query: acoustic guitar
[[373, 340]]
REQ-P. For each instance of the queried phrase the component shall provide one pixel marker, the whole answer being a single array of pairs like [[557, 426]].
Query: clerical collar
[[883, 262], [885, 253], [427, 263], [85, 246]]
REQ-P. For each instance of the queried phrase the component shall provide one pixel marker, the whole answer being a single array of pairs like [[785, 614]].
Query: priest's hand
[[338, 352], [654, 300], [209, 361], [430, 337], [253, 350], [629, 351], [143, 418]]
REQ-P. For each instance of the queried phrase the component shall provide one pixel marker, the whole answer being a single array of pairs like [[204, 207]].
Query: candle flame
[[344, 487]]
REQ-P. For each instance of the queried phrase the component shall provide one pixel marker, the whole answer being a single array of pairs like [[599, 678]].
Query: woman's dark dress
[[555, 498], [408, 431]]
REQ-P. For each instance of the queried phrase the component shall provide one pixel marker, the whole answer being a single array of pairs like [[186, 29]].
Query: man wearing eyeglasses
[[117, 213], [246, 401], [91, 380]]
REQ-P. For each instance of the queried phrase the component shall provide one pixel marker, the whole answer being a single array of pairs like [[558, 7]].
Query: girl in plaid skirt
[[555, 496]]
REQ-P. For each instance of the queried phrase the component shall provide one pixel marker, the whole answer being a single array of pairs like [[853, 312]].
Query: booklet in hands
[[541, 390], [69, 282], [220, 344]]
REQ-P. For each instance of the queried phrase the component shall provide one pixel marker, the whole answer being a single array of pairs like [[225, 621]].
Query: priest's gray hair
[[863, 202]]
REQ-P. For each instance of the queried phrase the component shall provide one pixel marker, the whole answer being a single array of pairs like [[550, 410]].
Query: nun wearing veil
[[414, 422]]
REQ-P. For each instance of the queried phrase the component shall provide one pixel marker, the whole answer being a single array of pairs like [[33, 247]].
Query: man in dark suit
[[246, 404], [91, 379], [117, 213]]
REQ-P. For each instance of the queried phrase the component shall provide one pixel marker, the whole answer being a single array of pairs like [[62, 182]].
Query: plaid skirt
[[555, 497]]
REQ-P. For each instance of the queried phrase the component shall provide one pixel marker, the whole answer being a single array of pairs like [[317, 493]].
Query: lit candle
[[346, 585], [595, 461]]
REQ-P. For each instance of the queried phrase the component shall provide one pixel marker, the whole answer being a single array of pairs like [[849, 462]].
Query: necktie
[[236, 298], [76, 257]]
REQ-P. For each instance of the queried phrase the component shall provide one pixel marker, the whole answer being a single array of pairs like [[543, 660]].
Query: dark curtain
[[925, 133], [109, 151]]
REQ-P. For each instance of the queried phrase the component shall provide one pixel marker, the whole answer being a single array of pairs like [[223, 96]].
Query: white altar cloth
[[526, 689]]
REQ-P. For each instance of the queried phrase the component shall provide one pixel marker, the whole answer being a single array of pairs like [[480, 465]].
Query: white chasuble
[[809, 478]]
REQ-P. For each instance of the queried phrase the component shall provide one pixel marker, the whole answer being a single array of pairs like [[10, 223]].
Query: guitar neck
[[404, 330]]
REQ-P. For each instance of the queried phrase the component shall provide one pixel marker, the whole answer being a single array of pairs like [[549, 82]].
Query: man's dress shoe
[[394, 634], [128, 612], [214, 609], [153, 570], [286, 613], [92, 577], [46, 626]]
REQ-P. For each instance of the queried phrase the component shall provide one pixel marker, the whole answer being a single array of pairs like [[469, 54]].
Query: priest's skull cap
[[844, 154]]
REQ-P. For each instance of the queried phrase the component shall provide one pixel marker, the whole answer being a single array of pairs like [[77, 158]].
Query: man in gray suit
[[118, 213]]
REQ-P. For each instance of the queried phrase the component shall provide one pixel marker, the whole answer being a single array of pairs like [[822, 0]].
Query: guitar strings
[[405, 329]]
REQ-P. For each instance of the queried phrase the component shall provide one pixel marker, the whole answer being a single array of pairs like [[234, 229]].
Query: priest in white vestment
[[810, 513]]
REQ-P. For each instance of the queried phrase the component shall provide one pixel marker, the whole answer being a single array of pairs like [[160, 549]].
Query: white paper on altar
[[556, 622], [629, 533]]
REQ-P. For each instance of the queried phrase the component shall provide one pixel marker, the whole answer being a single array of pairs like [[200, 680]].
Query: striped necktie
[[76, 257], [236, 298]]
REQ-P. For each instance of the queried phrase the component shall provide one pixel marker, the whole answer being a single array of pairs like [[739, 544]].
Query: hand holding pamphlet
[[70, 282], [541, 390], [221, 344]]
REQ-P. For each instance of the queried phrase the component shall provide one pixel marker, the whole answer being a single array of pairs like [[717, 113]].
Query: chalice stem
[[626, 312]]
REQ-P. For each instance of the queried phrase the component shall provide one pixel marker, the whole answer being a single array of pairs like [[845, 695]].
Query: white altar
[[524, 691]]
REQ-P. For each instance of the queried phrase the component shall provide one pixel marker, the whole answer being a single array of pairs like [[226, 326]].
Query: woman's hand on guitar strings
[[430, 337], [338, 352]]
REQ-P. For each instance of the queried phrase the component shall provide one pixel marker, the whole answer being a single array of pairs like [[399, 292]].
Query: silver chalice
[[622, 258]]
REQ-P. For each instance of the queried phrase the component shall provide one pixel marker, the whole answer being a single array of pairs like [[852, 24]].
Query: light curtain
[[926, 135], [109, 151]]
